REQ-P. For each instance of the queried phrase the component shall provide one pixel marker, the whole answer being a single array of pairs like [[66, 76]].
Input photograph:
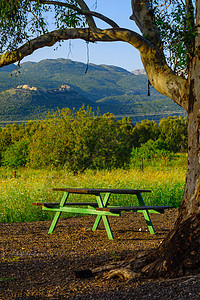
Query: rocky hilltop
[[139, 72]]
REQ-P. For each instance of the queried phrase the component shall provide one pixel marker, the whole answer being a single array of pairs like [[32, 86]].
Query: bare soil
[[37, 265]]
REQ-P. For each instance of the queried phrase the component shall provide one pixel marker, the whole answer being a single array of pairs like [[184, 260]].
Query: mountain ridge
[[112, 89]]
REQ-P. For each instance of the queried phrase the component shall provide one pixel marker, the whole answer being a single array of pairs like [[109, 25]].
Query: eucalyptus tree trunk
[[179, 253]]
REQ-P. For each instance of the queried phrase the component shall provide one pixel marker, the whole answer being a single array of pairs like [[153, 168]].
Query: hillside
[[110, 88], [25, 103]]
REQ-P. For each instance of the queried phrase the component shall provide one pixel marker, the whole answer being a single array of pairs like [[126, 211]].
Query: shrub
[[173, 131], [80, 140], [16, 154], [151, 150]]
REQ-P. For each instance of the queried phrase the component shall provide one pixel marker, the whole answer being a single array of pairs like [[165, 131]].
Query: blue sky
[[115, 53]]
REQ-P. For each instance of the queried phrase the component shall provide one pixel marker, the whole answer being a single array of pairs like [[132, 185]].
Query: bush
[[80, 140], [173, 131], [16, 154], [151, 150], [144, 131]]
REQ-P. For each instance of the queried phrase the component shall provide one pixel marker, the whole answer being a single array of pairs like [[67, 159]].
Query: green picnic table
[[100, 208]]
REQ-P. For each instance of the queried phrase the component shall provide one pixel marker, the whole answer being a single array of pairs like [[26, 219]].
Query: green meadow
[[18, 190]]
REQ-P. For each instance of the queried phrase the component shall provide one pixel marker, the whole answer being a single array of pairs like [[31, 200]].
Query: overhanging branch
[[89, 13], [50, 38], [160, 75]]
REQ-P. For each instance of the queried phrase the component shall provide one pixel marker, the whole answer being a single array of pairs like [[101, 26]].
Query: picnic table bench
[[101, 207]]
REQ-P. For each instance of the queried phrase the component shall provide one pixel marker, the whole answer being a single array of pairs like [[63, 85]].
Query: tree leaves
[[177, 30], [80, 140], [13, 22], [22, 20]]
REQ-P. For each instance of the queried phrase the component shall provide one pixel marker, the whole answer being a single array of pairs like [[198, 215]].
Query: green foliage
[[24, 19], [113, 142], [67, 17], [173, 132], [10, 134], [150, 151], [13, 23], [80, 140], [16, 154], [175, 21], [144, 131]]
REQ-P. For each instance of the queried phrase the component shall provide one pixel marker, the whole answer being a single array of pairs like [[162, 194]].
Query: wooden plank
[[98, 191], [52, 204], [43, 204], [133, 208], [77, 191]]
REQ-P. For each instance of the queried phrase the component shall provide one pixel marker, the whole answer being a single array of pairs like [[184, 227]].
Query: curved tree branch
[[89, 19], [144, 18], [86, 12], [82, 5], [50, 38], [160, 75], [163, 79], [102, 17]]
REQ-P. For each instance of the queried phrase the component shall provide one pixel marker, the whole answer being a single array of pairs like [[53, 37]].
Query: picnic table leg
[[146, 214], [58, 213], [102, 204], [105, 201]]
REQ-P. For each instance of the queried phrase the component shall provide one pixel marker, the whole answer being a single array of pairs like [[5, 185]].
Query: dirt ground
[[36, 265]]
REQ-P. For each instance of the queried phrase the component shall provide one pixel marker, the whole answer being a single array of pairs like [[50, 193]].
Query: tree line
[[81, 139]]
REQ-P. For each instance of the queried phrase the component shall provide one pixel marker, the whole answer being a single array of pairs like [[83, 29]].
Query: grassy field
[[165, 179]]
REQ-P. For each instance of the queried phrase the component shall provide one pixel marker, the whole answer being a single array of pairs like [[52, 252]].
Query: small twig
[[35, 16], [163, 4]]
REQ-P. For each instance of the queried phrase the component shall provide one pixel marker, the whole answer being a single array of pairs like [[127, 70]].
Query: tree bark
[[179, 254]]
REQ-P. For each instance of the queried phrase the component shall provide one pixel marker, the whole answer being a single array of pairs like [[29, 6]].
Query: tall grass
[[16, 194]]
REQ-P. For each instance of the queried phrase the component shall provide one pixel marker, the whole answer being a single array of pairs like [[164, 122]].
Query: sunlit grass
[[17, 194]]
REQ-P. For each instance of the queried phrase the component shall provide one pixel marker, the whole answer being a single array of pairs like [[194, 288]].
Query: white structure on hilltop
[[26, 87]]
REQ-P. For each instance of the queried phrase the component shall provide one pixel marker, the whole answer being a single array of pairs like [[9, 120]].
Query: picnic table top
[[98, 191]]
